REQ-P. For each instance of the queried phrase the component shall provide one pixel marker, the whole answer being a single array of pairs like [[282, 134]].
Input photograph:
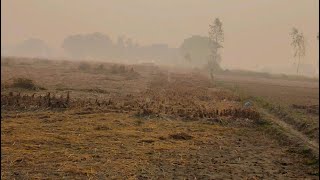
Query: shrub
[[24, 83], [118, 69], [114, 69], [84, 66], [122, 69], [100, 67]]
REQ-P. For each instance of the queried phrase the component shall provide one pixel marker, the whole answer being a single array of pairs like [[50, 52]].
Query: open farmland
[[295, 102], [80, 120], [281, 91]]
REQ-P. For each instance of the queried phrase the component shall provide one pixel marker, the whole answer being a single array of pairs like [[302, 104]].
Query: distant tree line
[[32, 47], [98, 45], [195, 51]]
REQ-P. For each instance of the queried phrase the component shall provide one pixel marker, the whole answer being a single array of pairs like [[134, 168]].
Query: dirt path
[[291, 132]]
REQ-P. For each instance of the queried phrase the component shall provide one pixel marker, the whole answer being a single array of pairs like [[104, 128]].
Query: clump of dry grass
[[181, 136]]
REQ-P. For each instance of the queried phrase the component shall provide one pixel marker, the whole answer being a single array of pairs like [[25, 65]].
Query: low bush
[[115, 69], [100, 67], [84, 66], [23, 83]]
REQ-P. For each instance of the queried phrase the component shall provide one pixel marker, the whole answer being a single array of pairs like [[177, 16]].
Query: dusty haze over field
[[256, 31]]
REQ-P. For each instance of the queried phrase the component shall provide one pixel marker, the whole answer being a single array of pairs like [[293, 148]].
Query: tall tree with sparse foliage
[[216, 37], [298, 44]]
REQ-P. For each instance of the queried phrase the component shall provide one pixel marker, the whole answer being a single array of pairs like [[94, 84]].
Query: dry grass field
[[295, 102], [79, 120]]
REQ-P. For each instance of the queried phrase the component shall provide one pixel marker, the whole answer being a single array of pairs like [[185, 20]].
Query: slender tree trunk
[[211, 74], [211, 67]]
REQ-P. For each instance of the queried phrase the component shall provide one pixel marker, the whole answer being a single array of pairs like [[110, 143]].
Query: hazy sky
[[256, 31]]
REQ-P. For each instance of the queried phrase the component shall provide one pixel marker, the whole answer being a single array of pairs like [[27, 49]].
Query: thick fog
[[256, 32]]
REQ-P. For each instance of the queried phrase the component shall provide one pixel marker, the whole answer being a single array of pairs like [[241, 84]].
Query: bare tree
[[298, 44], [216, 38]]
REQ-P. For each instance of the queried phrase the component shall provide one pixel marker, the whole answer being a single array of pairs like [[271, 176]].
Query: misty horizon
[[256, 33], [170, 89]]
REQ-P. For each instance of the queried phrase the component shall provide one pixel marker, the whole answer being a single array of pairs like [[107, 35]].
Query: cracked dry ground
[[57, 145]]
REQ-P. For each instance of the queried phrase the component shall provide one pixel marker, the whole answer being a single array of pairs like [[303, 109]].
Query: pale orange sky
[[256, 31]]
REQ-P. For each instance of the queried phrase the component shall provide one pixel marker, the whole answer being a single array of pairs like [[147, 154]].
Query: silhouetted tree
[[96, 45], [298, 44], [216, 37], [195, 49]]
